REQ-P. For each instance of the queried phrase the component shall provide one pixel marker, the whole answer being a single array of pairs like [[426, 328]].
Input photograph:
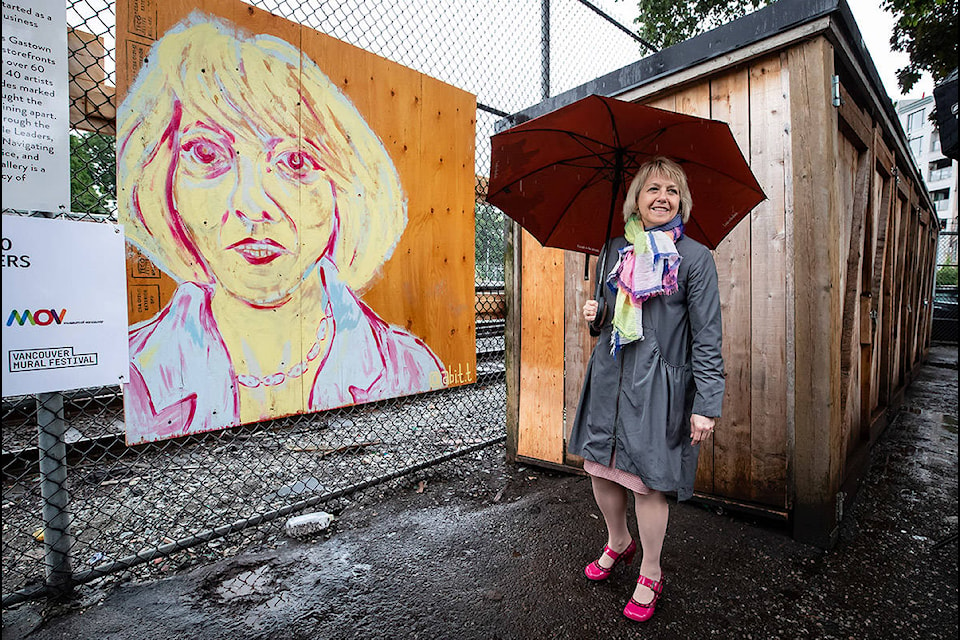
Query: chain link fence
[[79, 505], [945, 293]]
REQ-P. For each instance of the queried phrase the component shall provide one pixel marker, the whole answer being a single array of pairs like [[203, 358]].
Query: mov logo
[[41, 317]]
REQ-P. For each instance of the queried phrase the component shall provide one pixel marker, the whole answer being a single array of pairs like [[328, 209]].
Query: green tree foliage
[[947, 274], [93, 173], [667, 22], [490, 244], [927, 31]]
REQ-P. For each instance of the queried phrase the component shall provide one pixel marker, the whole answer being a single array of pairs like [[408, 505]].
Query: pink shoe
[[643, 612], [595, 572]]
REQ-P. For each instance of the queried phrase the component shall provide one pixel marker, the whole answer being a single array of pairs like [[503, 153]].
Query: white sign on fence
[[64, 305], [36, 116]]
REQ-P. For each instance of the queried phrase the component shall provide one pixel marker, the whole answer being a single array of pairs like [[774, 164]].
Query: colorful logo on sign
[[42, 317]]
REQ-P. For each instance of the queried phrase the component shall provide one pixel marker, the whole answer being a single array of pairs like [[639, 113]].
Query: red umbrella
[[563, 176]]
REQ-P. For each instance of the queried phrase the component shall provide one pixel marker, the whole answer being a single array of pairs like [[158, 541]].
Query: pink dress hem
[[621, 477]]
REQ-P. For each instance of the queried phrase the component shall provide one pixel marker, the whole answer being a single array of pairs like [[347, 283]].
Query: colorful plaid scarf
[[647, 267]]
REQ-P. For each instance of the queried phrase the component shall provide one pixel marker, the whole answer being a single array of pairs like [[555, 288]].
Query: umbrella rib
[[663, 130], [566, 162], [578, 137], [586, 185]]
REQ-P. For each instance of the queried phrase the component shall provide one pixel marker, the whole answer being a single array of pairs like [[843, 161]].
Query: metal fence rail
[[78, 505]]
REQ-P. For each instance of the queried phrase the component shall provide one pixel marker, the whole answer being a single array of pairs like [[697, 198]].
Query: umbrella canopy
[[563, 176]]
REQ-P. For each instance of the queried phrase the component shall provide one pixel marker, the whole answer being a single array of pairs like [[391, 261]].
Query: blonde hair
[[668, 168], [266, 84]]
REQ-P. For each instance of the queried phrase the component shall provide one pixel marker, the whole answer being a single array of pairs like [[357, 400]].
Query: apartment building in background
[[939, 172]]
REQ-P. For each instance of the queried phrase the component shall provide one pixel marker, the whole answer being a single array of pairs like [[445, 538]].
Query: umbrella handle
[[601, 299], [597, 323]]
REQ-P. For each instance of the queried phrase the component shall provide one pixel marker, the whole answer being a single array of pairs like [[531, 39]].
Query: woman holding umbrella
[[654, 384]]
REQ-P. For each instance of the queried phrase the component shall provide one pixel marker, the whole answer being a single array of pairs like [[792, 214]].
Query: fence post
[[57, 539], [545, 48]]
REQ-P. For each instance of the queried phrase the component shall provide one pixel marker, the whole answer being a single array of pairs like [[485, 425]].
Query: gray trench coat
[[639, 402]]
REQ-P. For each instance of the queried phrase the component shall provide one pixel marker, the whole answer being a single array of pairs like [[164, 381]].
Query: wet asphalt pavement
[[480, 549]]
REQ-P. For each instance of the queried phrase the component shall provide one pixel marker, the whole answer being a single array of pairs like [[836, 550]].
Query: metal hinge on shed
[[836, 92]]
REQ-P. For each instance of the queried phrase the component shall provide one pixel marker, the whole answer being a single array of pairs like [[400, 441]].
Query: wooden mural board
[[425, 287]]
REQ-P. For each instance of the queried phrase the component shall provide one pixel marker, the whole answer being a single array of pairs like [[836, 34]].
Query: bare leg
[[652, 514], [612, 500]]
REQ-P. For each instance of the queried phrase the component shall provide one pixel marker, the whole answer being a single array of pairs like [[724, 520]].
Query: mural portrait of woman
[[249, 178]]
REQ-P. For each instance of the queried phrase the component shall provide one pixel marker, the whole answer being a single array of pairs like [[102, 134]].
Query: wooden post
[[512, 271], [817, 307], [730, 102], [577, 342], [57, 537]]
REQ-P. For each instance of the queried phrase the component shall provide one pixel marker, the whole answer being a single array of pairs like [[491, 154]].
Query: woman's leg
[[612, 500], [652, 514]]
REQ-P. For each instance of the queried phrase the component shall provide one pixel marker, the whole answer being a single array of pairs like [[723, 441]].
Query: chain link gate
[[944, 328], [79, 505]]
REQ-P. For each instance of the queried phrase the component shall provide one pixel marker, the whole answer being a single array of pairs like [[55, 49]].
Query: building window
[[916, 146], [941, 199], [935, 141], [940, 170], [915, 121]]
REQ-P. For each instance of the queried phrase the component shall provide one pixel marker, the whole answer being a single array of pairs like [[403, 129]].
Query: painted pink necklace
[[321, 345]]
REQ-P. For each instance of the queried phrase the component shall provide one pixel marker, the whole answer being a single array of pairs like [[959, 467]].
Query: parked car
[[945, 316]]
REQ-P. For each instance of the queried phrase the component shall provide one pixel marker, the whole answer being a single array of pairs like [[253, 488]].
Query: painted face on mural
[[259, 207]]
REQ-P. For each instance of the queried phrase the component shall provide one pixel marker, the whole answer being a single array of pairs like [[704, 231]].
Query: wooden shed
[[825, 288]]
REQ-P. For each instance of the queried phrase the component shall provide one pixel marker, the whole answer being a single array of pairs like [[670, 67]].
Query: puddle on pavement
[[261, 613], [245, 584]]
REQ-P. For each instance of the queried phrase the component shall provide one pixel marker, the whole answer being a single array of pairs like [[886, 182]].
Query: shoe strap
[[610, 552], [654, 585], [613, 554]]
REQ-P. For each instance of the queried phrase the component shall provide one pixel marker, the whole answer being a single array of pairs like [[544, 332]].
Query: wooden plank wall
[[770, 155], [732, 467], [747, 458], [871, 286]]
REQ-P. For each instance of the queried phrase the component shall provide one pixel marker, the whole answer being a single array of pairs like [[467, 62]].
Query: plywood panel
[[768, 157], [435, 267], [730, 101], [541, 353], [855, 196], [393, 231], [885, 201], [695, 101], [667, 102], [578, 343], [890, 308]]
